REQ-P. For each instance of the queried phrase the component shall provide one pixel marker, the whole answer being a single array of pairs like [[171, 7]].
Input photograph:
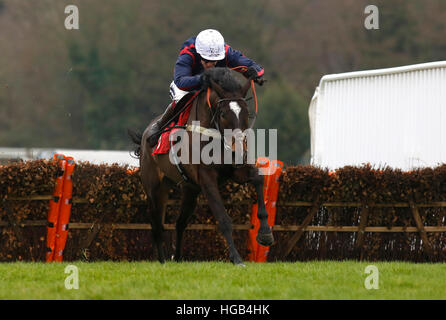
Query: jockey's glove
[[251, 73], [205, 80], [260, 81]]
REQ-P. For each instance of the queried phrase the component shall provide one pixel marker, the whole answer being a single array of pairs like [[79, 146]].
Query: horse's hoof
[[236, 259], [238, 263], [265, 239]]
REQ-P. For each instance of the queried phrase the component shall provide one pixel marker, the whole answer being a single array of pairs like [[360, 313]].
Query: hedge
[[107, 195]]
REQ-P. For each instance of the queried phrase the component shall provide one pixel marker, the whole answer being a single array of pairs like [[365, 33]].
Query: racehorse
[[219, 105]]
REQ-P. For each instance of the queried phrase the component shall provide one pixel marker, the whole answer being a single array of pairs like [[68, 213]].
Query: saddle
[[180, 119]]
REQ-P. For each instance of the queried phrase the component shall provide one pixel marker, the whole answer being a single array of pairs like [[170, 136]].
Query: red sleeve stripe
[[226, 54], [187, 50]]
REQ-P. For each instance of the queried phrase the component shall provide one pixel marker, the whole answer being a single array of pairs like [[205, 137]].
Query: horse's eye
[[222, 114]]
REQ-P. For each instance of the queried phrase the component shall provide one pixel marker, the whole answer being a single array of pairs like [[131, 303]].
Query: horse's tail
[[136, 139]]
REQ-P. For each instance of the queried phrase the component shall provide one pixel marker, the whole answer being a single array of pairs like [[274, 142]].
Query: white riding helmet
[[210, 45]]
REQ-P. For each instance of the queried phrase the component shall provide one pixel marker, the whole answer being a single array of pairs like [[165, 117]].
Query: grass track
[[219, 280]]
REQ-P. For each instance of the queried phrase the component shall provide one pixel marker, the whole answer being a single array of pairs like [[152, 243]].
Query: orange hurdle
[[272, 171], [263, 165], [53, 214], [270, 204], [64, 211]]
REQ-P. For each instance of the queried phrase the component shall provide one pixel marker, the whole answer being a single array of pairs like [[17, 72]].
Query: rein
[[210, 132], [241, 68], [165, 128], [208, 94]]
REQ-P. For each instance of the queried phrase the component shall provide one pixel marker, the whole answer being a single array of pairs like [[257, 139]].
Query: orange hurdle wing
[[65, 211], [272, 192], [263, 165], [53, 214]]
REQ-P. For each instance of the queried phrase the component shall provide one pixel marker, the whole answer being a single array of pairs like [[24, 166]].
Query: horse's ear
[[220, 91], [245, 88]]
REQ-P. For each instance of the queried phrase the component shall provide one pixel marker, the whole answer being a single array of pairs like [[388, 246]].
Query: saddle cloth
[[163, 145]]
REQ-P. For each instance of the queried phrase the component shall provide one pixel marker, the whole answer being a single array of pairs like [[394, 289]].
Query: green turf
[[219, 280]]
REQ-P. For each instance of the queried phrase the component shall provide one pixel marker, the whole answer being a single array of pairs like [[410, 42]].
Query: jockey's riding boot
[[154, 133]]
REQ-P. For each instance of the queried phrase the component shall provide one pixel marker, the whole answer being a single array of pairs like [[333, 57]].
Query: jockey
[[206, 50]]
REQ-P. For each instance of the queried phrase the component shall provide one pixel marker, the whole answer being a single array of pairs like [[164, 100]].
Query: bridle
[[211, 132], [213, 114], [216, 112], [217, 107], [208, 94]]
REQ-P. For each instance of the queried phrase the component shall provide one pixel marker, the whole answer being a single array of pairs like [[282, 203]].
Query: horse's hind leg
[[157, 200], [188, 204]]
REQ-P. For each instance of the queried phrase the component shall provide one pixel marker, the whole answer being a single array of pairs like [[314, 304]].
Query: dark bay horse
[[221, 106]]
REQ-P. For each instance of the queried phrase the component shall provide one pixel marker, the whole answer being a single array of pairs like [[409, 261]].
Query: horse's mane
[[223, 77]]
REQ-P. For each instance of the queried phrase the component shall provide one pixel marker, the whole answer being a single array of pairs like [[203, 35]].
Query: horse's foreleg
[[251, 174], [208, 182], [188, 204]]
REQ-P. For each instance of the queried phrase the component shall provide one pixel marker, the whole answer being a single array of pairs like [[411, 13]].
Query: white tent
[[389, 117]]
